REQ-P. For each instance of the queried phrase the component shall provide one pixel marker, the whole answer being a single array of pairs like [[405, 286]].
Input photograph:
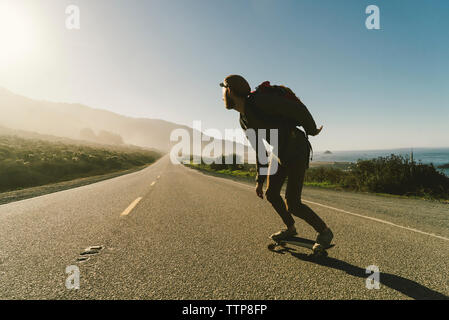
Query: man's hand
[[259, 190], [318, 131]]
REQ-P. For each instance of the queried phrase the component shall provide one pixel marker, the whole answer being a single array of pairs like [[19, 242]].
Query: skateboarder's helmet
[[237, 84]]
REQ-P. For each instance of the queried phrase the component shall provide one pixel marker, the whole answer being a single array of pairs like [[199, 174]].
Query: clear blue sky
[[371, 89]]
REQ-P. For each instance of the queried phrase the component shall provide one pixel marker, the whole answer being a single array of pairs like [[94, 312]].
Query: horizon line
[[190, 127]]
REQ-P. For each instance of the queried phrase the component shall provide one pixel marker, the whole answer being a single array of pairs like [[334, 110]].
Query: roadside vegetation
[[389, 175], [28, 163]]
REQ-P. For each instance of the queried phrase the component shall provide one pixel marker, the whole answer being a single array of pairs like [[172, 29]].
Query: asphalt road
[[170, 232]]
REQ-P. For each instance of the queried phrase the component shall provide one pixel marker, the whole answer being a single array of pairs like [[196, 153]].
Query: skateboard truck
[[317, 249]]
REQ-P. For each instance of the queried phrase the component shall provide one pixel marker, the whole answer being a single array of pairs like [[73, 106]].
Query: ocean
[[437, 156]]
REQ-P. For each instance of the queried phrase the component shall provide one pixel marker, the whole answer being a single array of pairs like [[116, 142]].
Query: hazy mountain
[[69, 141], [78, 121]]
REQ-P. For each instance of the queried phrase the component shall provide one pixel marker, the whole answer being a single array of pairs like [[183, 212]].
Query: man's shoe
[[283, 234], [325, 238]]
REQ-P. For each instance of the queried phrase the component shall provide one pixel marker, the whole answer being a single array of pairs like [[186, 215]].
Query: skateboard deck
[[316, 248]]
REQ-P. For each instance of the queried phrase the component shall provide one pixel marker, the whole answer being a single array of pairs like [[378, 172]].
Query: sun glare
[[16, 33]]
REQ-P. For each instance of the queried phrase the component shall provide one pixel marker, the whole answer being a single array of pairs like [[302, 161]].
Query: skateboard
[[317, 249]]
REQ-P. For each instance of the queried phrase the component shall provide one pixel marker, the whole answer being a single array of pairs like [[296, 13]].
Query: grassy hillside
[[34, 162]]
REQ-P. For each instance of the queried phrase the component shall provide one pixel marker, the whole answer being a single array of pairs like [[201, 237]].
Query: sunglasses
[[224, 87]]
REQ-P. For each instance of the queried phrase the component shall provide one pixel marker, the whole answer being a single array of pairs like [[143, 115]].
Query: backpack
[[266, 87], [286, 92]]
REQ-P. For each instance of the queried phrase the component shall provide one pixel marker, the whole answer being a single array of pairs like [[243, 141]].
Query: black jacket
[[269, 111]]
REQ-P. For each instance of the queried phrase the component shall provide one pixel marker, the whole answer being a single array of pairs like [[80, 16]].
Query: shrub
[[393, 174], [397, 175]]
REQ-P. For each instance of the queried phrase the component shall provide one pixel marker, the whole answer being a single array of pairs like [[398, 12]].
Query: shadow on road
[[408, 287]]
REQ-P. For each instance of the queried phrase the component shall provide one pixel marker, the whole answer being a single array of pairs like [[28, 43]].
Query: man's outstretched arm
[[256, 142]]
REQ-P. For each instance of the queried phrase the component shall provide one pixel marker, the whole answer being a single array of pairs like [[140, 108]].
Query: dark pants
[[295, 172]]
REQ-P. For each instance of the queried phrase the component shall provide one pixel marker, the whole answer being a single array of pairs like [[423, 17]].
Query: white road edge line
[[378, 220], [355, 214], [130, 207]]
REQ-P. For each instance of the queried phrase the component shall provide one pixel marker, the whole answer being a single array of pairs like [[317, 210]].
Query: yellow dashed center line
[[153, 183], [131, 207]]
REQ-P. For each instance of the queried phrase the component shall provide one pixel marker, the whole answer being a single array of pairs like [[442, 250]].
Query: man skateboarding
[[277, 107]]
